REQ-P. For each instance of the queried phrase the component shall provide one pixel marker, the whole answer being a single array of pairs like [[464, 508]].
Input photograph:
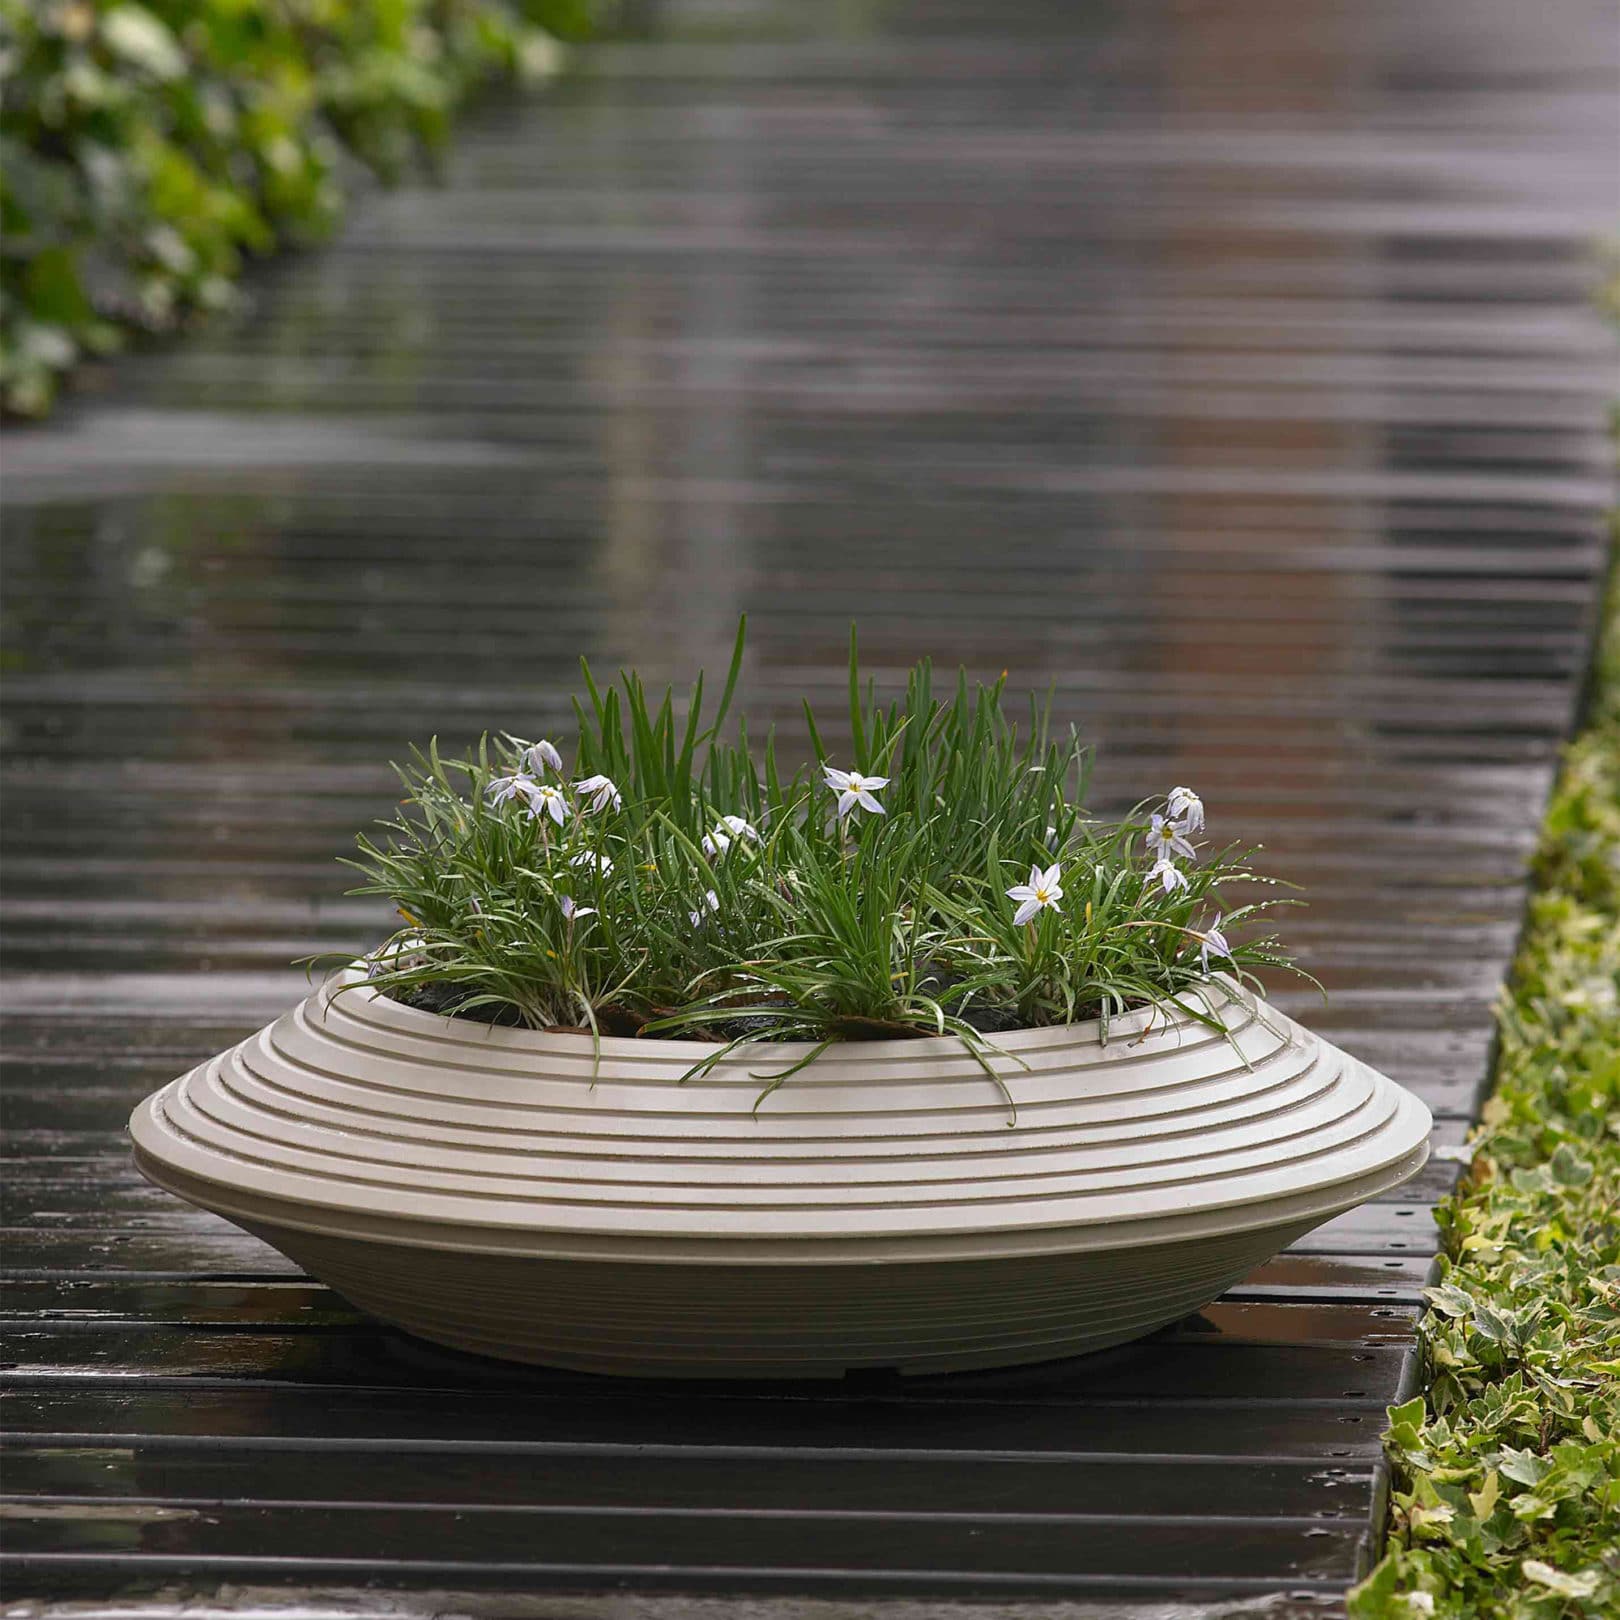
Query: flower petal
[[1187, 807], [1170, 877]]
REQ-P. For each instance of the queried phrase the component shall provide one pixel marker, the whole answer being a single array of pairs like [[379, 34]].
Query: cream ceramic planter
[[479, 1187]]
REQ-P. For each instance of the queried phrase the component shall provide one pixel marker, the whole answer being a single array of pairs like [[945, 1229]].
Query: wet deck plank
[[1229, 368]]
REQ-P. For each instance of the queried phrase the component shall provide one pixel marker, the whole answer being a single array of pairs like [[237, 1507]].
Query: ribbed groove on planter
[[1255, 341], [1249, 1131]]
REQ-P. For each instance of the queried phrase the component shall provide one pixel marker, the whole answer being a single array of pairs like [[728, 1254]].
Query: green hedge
[[147, 150], [1507, 1500]]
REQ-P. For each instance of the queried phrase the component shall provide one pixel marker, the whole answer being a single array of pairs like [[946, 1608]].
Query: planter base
[[784, 1322]]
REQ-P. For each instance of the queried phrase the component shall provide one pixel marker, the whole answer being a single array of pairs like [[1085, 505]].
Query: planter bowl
[[503, 1191]]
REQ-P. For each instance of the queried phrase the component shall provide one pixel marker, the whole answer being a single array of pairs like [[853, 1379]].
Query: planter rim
[[1172, 1016]]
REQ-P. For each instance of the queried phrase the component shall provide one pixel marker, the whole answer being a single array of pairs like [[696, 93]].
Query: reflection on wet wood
[[1226, 367]]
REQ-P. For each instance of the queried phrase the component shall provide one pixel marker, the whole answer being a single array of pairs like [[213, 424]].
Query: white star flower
[[854, 789], [1043, 889], [728, 830], [600, 791], [711, 902], [1169, 875], [397, 956], [571, 911], [1186, 807], [1164, 839], [548, 800], [602, 864], [542, 756], [1212, 942], [503, 789]]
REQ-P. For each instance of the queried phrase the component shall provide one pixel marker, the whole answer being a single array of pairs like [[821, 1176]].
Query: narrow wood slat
[[403, 1420], [320, 1347], [214, 1471], [936, 1550]]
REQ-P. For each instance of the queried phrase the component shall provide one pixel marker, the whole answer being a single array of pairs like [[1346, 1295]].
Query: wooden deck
[[1229, 365]]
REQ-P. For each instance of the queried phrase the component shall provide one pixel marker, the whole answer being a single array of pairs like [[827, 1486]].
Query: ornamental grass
[[941, 878]]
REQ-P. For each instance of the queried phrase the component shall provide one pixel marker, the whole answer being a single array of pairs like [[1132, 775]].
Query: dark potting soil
[[450, 1000]]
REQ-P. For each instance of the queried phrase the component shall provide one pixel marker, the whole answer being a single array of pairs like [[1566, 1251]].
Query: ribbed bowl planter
[[479, 1187]]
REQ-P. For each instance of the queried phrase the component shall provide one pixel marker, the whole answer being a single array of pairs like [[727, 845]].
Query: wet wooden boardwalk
[[1228, 365]]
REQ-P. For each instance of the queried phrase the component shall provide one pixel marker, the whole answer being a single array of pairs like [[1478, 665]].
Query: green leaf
[[1449, 1300], [1581, 1585], [1568, 1168], [134, 34], [1379, 1596], [1409, 1414], [1492, 1323], [55, 296], [1483, 1501], [1523, 1467]]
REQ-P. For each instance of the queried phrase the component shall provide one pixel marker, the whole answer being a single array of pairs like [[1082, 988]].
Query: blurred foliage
[[147, 150], [1507, 1489]]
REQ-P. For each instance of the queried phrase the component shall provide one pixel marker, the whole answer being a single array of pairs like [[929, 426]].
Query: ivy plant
[[1507, 1465], [148, 150]]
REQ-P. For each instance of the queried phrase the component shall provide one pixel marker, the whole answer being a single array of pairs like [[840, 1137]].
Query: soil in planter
[[449, 1000]]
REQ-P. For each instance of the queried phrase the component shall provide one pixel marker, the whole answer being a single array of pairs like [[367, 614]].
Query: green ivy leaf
[[1449, 1300], [1523, 1467], [1568, 1168], [1581, 1585], [1483, 1501], [1379, 1596], [134, 34]]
